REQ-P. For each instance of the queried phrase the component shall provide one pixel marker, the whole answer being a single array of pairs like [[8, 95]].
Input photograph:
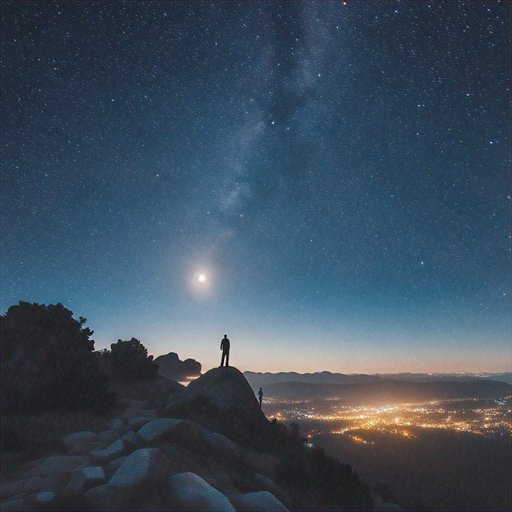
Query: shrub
[[48, 361], [130, 362]]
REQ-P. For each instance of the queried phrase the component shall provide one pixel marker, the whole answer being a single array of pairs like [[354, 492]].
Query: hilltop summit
[[226, 388]]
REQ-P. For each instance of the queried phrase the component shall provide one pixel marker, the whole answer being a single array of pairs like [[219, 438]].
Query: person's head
[[225, 335]]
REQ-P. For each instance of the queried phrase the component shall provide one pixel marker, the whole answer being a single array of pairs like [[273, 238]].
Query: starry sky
[[326, 182]]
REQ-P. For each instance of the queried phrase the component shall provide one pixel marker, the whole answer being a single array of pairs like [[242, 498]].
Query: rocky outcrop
[[143, 462], [170, 367], [227, 388], [146, 463]]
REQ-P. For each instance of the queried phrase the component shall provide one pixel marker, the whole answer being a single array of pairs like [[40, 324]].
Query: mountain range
[[376, 389]]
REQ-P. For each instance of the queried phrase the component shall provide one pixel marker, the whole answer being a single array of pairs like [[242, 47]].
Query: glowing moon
[[201, 281]]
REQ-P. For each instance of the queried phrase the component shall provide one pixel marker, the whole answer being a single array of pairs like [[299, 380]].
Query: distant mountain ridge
[[257, 379], [388, 391]]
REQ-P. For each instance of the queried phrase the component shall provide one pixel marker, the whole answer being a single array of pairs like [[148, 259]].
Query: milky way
[[338, 173]]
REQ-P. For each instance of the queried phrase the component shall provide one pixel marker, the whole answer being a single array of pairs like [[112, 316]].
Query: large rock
[[182, 460], [81, 443], [191, 493], [144, 467], [104, 497], [261, 501], [227, 388], [44, 498], [57, 464], [171, 367], [86, 478], [117, 424], [263, 483], [158, 430], [112, 451], [222, 448], [171, 430], [135, 422], [113, 466], [131, 439]]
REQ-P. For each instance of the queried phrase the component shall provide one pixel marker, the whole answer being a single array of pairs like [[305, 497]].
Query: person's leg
[[227, 358], [222, 360]]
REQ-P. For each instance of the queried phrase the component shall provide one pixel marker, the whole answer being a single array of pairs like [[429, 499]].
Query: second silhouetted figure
[[224, 346]]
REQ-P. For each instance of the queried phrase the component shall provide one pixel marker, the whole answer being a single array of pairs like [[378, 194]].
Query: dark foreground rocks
[[143, 463], [205, 451]]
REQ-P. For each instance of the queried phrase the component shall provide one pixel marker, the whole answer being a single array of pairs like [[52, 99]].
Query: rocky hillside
[[210, 448]]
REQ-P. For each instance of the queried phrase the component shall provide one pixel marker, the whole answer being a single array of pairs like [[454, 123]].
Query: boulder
[[263, 483], [57, 464], [158, 430], [104, 497], [170, 367], [113, 466], [86, 478], [116, 424], [81, 443], [227, 388], [113, 451], [130, 439], [191, 493], [136, 422], [261, 501], [45, 498], [223, 448], [168, 429], [142, 468], [181, 460], [106, 436]]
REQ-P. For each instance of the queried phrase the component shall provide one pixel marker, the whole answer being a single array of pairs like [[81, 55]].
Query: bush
[[318, 482], [48, 361], [129, 361]]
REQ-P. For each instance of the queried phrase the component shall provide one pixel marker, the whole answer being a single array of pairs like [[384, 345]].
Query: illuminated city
[[477, 416]]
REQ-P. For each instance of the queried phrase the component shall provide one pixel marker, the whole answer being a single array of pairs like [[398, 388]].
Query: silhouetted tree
[[130, 362], [48, 361]]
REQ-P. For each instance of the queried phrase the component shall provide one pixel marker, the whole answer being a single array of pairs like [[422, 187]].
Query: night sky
[[326, 182]]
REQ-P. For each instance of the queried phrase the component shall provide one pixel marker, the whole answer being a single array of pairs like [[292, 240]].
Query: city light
[[458, 415]]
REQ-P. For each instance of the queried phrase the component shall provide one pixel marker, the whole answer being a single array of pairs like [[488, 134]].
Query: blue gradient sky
[[340, 175]]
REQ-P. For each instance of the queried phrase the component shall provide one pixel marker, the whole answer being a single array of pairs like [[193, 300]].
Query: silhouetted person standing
[[260, 396], [224, 346]]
